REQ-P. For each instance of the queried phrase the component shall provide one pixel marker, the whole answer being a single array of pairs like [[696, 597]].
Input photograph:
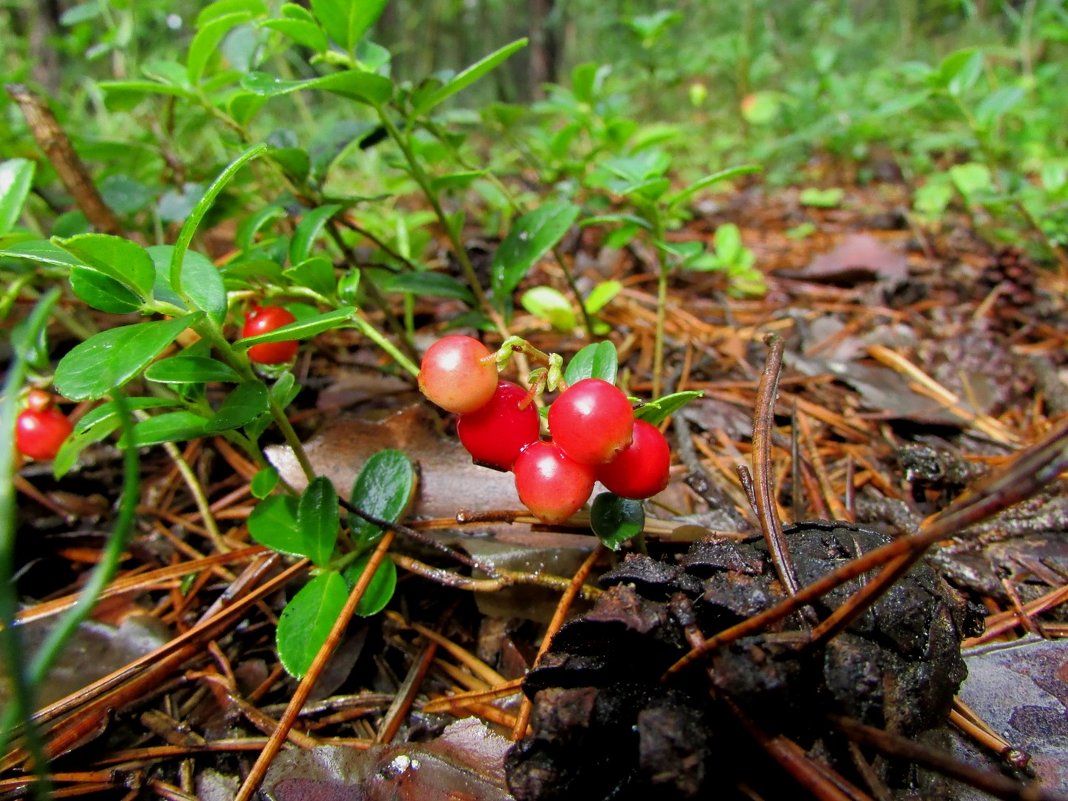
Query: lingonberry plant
[[41, 428], [595, 433], [264, 320]]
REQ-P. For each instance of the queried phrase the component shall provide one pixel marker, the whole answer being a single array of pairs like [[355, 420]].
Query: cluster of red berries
[[41, 428], [594, 434]]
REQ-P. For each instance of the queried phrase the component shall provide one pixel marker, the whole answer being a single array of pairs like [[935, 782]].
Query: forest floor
[[916, 367]]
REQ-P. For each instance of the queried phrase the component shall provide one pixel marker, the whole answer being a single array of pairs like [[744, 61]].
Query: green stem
[[20, 680], [423, 180], [375, 336], [661, 301]]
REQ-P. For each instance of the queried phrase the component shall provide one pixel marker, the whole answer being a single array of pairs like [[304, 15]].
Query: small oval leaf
[[317, 517], [597, 360], [379, 591], [384, 489], [306, 621], [615, 520]]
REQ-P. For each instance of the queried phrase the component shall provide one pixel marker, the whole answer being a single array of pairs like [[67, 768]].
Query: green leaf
[[16, 178], [379, 591], [221, 8], [602, 295], [264, 482], [189, 227], [828, 198], [308, 229], [302, 329], [103, 293], [530, 237], [249, 227], [191, 370], [615, 520], [123, 94], [365, 87], [244, 404], [176, 426], [316, 274], [998, 103], [306, 34], [597, 360], [710, 180], [434, 284], [971, 178], [959, 71], [109, 359], [120, 259], [656, 411], [206, 42], [294, 160], [306, 621], [202, 280], [468, 76], [384, 489], [550, 304], [318, 519], [346, 21], [273, 523], [41, 251], [94, 426]]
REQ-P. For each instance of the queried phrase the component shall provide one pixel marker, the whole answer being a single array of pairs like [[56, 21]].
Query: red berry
[[592, 421], [41, 428], [641, 469], [550, 484], [456, 375], [495, 434], [263, 320]]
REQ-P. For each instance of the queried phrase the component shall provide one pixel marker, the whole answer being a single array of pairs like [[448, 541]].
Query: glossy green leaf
[[189, 227], [384, 489], [998, 103], [346, 21], [468, 76], [531, 236], [550, 305], [120, 259], [96, 425], [202, 281], [381, 588], [306, 34], [206, 42], [302, 329], [615, 520], [308, 230], [306, 621], [178, 426], [318, 519], [191, 370], [41, 251], [656, 411], [246, 402], [109, 359], [250, 226], [365, 87], [273, 523], [16, 178], [316, 274], [295, 161], [102, 292], [438, 285], [596, 360], [221, 8], [124, 94], [264, 482]]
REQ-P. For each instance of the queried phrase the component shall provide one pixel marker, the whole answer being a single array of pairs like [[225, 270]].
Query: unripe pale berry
[[550, 484], [456, 375]]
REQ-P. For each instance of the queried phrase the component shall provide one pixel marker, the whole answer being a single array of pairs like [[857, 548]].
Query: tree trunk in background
[[43, 19], [542, 47]]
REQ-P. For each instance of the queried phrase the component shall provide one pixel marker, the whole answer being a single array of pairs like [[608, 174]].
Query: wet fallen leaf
[[857, 258]]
